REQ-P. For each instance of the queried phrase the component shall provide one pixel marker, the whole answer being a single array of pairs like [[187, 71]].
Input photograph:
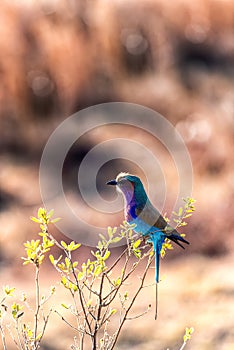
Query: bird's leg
[[146, 239]]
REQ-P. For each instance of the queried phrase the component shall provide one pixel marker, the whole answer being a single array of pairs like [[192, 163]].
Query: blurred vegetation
[[59, 57]]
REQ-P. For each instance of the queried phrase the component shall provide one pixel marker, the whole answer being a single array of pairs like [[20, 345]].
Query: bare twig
[[3, 338], [37, 303], [68, 323], [131, 303]]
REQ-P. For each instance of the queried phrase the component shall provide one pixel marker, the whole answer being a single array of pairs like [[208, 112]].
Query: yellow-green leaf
[[106, 255], [50, 213], [80, 275], [137, 243], [116, 239], [98, 270], [55, 220], [64, 244], [52, 259], [38, 221], [110, 232], [8, 291]]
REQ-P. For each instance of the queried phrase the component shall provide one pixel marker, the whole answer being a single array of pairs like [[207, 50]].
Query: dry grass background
[[58, 57]]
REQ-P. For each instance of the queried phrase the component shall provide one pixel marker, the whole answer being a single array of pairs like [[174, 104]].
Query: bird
[[148, 221]]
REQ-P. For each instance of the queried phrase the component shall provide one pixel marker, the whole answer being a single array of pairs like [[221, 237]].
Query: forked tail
[[157, 249], [157, 239]]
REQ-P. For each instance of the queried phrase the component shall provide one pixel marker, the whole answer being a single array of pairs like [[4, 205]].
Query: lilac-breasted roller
[[149, 222]]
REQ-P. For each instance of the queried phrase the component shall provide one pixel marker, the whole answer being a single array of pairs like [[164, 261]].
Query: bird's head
[[129, 185]]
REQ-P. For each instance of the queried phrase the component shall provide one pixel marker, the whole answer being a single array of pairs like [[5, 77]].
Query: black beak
[[112, 182]]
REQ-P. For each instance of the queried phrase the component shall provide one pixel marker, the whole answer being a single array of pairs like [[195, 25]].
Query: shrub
[[94, 286]]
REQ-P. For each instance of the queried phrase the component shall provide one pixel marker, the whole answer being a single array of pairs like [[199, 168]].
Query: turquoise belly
[[144, 228]]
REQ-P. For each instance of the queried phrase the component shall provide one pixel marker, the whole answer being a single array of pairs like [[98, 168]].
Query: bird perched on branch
[[149, 222]]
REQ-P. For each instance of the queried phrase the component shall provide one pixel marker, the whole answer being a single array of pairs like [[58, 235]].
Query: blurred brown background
[[58, 57]]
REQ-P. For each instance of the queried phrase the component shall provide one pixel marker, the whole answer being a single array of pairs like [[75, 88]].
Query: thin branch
[[37, 303], [132, 302], [98, 313], [3, 338], [117, 260], [19, 344], [137, 316], [68, 323], [104, 317], [183, 346], [46, 320], [12, 336], [116, 289], [81, 296]]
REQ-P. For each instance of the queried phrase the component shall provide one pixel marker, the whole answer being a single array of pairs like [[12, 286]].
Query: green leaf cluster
[[16, 310], [180, 219], [184, 212], [36, 249], [188, 333]]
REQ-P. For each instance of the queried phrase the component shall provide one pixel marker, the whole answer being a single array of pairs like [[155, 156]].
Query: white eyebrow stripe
[[121, 175]]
